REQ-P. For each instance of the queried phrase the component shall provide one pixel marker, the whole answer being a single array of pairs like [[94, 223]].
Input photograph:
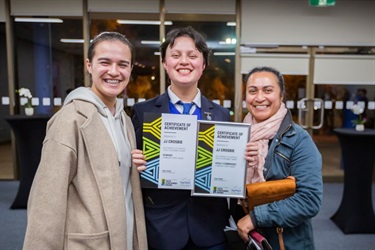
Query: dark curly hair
[[198, 38]]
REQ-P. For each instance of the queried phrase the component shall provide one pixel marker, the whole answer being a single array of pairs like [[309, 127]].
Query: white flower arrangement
[[358, 110], [24, 92]]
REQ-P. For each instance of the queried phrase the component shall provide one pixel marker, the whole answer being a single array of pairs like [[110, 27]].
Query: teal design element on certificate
[[151, 149]]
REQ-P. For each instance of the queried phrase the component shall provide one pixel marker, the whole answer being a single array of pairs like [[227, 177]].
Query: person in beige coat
[[86, 193]]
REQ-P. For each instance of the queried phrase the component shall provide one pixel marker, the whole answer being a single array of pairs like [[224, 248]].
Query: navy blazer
[[172, 216]]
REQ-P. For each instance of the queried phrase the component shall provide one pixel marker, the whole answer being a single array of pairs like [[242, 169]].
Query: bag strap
[[279, 231], [244, 206]]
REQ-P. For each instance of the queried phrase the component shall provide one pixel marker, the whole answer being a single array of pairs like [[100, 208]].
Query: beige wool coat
[[77, 199]]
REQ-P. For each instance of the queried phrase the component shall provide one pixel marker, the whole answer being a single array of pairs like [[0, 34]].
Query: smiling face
[[110, 70], [184, 63], [263, 95]]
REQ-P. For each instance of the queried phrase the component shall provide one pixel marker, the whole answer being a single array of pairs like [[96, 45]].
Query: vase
[[29, 111], [359, 127]]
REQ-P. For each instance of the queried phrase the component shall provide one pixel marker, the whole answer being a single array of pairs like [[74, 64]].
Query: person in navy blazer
[[174, 218]]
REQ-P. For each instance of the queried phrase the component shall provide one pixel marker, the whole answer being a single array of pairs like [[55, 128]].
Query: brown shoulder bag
[[269, 191]]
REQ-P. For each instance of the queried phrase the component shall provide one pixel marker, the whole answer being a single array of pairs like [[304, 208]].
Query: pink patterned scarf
[[261, 133]]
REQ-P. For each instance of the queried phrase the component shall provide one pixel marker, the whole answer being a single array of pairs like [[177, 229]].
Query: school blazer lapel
[[207, 109]]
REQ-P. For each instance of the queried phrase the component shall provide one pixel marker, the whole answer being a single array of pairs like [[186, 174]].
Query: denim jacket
[[292, 152]]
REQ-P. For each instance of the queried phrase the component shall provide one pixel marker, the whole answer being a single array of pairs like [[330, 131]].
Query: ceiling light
[[231, 23], [229, 41], [150, 42], [260, 45], [143, 22], [224, 53], [225, 42], [67, 40], [38, 20]]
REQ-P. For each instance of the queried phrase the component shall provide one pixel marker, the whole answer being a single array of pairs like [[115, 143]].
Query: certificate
[[169, 144], [177, 149], [220, 164]]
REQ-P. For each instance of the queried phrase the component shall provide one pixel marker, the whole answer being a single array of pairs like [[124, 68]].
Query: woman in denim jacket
[[278, 148]]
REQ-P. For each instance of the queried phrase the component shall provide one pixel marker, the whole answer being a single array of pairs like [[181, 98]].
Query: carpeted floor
[[12, 221], [327, 235]]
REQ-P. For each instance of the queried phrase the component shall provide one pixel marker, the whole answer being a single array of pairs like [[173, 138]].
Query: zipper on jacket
[[278, 140], [283, 156]]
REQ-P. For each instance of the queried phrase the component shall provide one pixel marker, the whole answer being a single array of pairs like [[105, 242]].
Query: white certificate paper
[[177, 151], [221, 164]]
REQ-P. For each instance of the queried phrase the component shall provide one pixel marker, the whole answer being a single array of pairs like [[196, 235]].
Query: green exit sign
[[322, 3]]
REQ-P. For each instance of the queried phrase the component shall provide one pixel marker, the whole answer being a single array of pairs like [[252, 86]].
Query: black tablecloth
[[29, 132], [356, 214]]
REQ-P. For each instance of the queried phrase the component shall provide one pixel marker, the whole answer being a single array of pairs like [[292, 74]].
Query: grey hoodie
[[116, 130]]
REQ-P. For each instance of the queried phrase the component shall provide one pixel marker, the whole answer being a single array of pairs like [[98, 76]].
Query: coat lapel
[[107, 174], [207, 109], [139, 239], [162, 103]]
